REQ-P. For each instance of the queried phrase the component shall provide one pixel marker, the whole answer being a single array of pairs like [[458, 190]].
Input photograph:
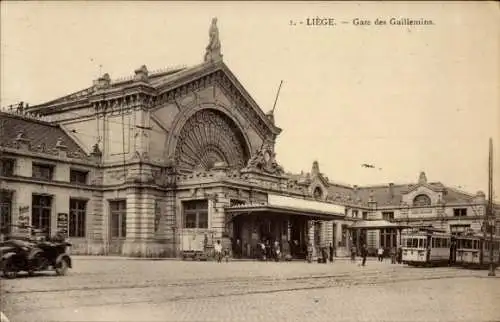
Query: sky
[[403, 98]]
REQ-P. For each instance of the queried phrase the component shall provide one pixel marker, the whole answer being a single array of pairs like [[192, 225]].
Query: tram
[[426, 247], [473, 251]]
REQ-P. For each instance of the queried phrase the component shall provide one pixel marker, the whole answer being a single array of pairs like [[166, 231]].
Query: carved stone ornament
[[207, 138], [264, 160]]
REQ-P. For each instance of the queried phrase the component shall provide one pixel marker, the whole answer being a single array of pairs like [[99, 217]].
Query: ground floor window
[[388, 238], [195, 214], [118, 216], [5, 212], [41, 212], [77, 217]]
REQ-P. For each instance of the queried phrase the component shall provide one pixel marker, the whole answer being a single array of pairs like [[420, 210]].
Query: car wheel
[[9, 269], [62, 267]]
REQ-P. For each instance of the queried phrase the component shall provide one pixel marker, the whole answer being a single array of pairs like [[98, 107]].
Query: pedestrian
[[380, 253], [309, 252], [331, 252], [364, 253], [353, 253], [400, 255], [218, 251], [277, 251], [262, 251], [393, 255]]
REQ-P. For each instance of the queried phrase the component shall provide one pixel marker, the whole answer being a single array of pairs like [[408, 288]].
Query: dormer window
[[7, 167], [43, 171], [421, 201], [78, 176], [317, 193]]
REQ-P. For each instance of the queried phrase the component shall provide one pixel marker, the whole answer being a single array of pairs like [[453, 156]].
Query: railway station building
[[165, 161]]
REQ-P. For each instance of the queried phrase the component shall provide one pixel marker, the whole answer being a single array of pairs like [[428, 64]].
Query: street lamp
[[491, 225]]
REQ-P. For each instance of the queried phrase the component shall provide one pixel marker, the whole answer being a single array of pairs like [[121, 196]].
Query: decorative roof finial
[[422, 179], [213, 50]]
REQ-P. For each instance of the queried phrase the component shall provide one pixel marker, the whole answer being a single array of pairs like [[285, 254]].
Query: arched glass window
[[422, 201]]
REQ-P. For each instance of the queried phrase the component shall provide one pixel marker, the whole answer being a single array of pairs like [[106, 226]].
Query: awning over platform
[[376, 224], [291, 206]]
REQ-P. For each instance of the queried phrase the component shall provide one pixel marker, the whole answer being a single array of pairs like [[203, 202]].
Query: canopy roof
[[281, 210]]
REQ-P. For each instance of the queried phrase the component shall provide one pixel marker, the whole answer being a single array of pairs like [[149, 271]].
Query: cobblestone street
[[143, 290]]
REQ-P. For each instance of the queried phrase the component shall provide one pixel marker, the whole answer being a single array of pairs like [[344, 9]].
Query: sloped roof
[[383, 195], [42, 136]]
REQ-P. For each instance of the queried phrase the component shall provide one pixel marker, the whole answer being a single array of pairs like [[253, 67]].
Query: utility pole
[[491, 215]]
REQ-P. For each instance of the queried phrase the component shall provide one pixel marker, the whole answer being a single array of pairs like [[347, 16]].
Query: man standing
[[331, 252], [364, 253], [218, 251]]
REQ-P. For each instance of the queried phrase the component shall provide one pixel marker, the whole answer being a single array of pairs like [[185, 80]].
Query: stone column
[[338, 233], [131, 246]]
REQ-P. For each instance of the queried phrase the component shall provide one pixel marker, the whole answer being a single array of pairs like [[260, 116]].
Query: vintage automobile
[[33, 255]]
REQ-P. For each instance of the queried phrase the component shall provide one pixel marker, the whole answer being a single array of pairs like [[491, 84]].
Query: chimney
[[315, 169], [391, 189]]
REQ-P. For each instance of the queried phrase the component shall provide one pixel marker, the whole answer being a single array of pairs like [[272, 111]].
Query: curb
[[101, 257]]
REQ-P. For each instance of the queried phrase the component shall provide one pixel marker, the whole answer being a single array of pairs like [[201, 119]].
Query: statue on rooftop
[[213, 50]]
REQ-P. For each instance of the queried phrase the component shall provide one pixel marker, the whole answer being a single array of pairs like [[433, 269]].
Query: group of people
[[395, 254]]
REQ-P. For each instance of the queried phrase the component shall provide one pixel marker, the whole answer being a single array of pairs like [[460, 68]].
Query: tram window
[[433, 242]]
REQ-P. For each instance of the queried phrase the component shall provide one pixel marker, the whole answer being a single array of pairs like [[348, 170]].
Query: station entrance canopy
[[285, 205]]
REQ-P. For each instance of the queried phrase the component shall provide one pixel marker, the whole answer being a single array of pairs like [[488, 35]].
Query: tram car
[[426, 247], [473, 251]]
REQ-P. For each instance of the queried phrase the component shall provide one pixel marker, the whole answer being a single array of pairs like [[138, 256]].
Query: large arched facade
[[207, 137]]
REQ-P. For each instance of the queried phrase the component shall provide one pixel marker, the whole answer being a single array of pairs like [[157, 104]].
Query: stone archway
[[209, 136]]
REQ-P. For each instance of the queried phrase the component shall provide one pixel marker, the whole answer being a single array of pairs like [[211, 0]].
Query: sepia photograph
[[249, 161]]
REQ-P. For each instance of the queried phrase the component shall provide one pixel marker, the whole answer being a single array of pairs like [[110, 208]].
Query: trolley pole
[[491, 215]]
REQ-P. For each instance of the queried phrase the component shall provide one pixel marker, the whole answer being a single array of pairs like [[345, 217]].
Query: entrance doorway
[[298, 237]]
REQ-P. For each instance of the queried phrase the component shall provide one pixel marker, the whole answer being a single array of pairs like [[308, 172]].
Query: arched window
[[421, 201], [317, 193]]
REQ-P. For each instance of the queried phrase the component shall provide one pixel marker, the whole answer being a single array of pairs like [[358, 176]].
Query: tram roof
[[376, 224]]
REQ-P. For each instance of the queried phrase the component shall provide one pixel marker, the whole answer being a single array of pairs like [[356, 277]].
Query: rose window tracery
[[209, 137]]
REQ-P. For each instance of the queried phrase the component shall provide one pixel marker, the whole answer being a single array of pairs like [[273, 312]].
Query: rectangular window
[[388, 215], [459, 212], [365, 215], [5, 212], [42, 171], [355, 213], [41, 213], [7, 167], [118, 215], [195, 214], [388, 238], [77, 217], [78, 176]]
